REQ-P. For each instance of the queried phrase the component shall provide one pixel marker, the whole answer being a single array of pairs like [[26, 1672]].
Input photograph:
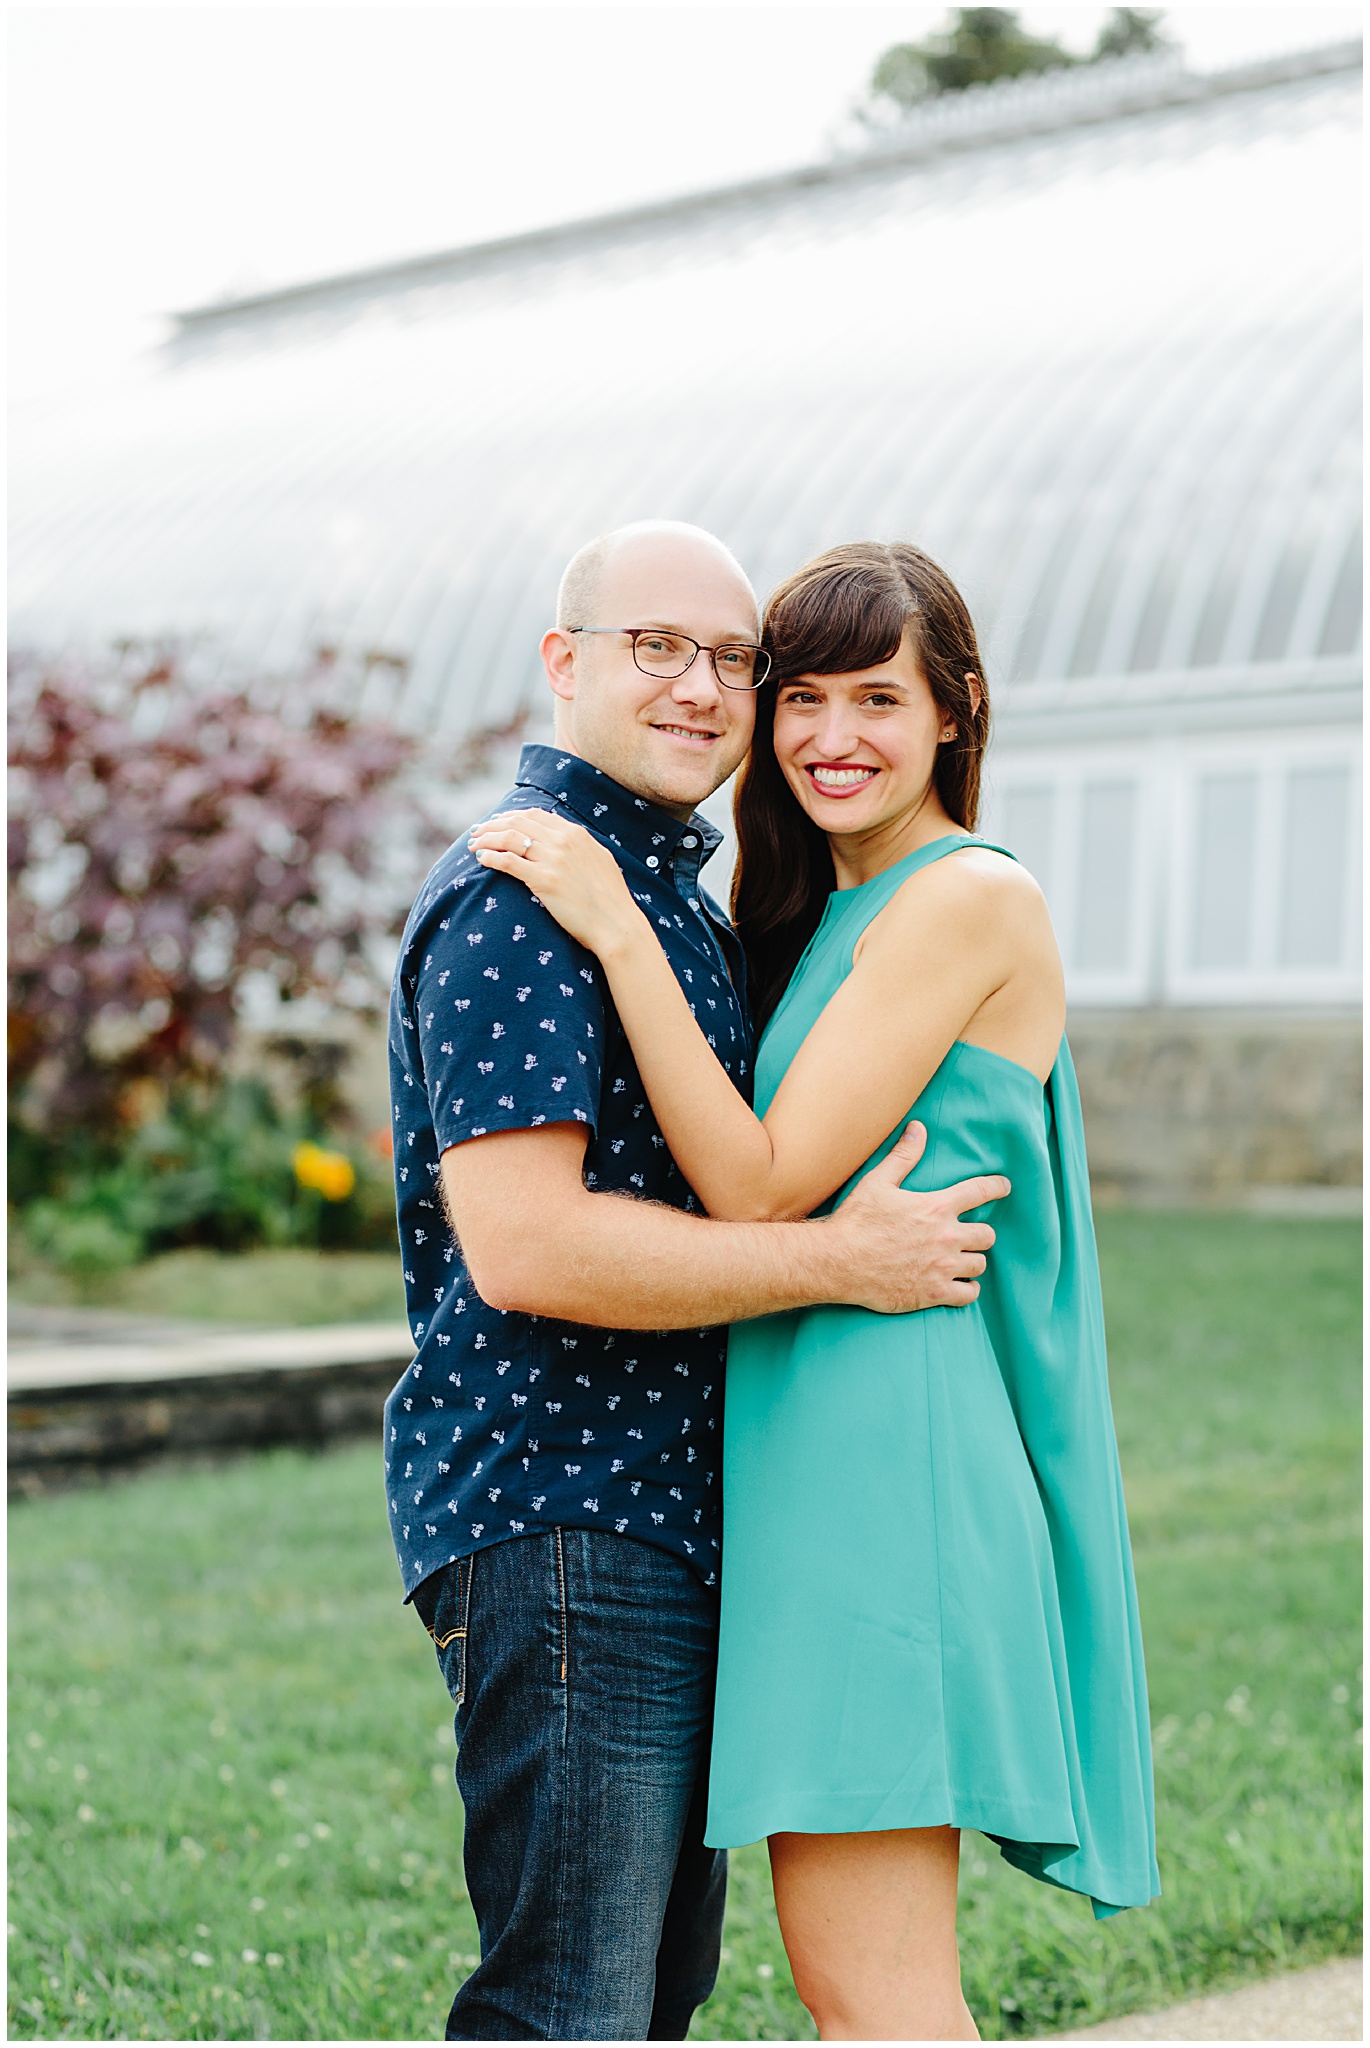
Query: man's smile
[[689, 732]]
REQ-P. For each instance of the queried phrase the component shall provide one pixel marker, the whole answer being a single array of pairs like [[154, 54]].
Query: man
[[552, 1454]]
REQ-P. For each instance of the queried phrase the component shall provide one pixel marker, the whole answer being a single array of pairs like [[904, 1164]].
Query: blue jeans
[[581, 1663]]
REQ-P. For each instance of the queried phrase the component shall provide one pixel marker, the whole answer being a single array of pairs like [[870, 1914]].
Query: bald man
[[552, 1455]]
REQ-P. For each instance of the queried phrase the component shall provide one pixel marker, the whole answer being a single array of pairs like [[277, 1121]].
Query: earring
[[950, 733]]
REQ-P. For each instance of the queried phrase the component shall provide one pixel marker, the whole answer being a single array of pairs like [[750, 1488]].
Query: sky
[[163, 157]]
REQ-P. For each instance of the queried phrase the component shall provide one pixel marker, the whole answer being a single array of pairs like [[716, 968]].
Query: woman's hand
[[570, 873]]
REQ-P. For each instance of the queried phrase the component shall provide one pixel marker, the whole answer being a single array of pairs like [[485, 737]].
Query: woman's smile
[[839, 779]]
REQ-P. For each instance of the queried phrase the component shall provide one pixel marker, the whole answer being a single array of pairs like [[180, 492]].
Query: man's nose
[[699, 684]]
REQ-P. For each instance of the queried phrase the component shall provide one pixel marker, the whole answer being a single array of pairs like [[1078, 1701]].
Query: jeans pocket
[[450, 1625]]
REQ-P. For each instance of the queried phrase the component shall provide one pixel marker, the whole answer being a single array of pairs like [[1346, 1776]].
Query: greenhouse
[[1090, 339]]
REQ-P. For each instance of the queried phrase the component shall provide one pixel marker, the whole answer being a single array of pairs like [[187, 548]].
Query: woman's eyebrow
[[821, 682]]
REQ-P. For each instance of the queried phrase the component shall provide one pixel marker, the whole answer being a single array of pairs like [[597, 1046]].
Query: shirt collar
[[612, 812]]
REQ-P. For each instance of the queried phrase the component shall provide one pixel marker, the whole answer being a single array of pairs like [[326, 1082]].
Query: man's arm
[[536, 1239]]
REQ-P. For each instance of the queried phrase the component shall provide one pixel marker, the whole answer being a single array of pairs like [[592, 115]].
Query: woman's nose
[[836, 734]]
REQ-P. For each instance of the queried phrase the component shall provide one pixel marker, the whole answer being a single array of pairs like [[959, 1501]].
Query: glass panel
[[1103, 928], [1282, 597], [1028, 816], [1084, 659], [1341, 630], [1225, 866], [1316, 816], [1156, 612], [1217, 610]]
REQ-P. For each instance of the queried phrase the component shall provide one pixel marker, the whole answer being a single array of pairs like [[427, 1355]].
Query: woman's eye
[[880, 698]]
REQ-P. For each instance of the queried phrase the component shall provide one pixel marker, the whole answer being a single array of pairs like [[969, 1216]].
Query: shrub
[[226, 1166], [180, 853]]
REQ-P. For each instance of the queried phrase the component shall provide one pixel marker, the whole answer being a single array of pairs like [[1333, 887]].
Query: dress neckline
[[839, 899], [908, 860]]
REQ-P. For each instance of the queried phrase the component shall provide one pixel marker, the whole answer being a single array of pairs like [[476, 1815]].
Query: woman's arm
[[703, 1119], [926, 965]]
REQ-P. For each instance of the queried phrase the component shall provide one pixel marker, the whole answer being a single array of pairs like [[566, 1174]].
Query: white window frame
[[1264, 980]]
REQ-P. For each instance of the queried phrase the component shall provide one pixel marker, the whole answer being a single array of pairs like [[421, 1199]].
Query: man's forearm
[[537, 1241], [622, 1264]]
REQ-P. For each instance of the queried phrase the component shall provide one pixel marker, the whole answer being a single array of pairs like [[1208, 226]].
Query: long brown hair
[[846, 611]]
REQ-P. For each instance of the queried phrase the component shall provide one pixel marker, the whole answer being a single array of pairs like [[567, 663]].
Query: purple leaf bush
[[181, 853]]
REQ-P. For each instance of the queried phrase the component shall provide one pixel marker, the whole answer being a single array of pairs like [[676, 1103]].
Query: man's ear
[[558, 652]]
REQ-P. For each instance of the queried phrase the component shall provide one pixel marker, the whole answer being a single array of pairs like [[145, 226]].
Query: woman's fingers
[[505, 839], [524, 840], [538, 826]]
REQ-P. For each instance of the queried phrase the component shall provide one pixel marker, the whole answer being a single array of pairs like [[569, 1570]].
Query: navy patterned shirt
[[507, 1423]]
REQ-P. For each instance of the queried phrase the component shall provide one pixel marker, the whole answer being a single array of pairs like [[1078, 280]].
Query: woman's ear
[[977, 695]]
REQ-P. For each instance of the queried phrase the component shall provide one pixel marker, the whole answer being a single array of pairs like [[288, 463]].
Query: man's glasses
[[737, 664]]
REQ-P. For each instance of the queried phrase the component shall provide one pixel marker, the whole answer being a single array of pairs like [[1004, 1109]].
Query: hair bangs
[[837, 623]]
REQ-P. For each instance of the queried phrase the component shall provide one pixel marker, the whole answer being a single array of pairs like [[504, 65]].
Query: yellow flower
[[332, 1173]]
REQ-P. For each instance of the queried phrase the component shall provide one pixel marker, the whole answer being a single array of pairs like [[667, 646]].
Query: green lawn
[[268, 1287], [232, 1809]]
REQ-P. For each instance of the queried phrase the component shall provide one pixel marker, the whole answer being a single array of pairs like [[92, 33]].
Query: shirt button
[[694, 903], [689, 840], [652, 861]]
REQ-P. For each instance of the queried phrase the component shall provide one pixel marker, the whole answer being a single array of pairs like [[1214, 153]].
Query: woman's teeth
[[841, 779]]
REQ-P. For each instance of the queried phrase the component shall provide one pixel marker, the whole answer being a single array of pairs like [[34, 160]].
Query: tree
[[982, 43], [1131, 32], [985, 43]]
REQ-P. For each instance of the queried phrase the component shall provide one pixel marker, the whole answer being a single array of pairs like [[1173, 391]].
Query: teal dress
[[928, 1609]]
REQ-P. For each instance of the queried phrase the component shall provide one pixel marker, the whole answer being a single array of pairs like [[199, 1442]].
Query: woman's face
[[858, 750]]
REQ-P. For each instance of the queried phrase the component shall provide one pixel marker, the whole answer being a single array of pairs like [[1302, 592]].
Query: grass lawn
[[232, 1810], [274, 1288]]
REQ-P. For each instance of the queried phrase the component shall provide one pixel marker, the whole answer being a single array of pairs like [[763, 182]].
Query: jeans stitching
[[561, 1583], [466, 1572], [563, 1846]]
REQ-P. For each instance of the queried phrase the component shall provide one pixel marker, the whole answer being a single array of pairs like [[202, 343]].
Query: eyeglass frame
[[635, 633]]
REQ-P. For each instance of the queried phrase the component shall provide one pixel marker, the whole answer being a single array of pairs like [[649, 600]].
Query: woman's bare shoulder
[[974, 881], [971, 905]]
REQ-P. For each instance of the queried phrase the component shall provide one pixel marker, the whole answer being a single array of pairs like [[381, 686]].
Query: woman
[[928, 1616]]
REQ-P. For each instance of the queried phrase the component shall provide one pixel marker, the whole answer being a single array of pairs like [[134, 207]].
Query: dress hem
[[1032, 1850]]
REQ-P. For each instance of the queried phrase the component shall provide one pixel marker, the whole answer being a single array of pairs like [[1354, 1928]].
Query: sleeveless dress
[[928, 1608]]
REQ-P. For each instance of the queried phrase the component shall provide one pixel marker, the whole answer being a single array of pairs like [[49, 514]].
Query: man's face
[[671, 741]]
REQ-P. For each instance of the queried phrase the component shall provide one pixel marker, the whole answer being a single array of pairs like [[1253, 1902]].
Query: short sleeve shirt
[[507, 1423]]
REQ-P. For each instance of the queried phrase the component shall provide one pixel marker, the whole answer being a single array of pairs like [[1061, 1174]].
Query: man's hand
[[911, 1251]]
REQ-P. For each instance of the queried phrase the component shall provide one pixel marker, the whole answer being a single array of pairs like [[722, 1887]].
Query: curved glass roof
[[1105, 367]]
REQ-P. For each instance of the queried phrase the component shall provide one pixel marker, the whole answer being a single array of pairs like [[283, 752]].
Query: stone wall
[[1211, 1105], [1180, 1105]]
